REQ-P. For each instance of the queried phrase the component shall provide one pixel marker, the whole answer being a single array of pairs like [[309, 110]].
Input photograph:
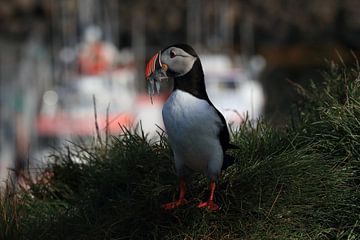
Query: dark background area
[[295, 37]]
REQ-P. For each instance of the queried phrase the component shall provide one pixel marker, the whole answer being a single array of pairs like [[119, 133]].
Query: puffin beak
[[155, 71], [154, 65]]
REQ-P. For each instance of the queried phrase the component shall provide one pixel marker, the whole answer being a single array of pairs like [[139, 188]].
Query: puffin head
[[175, 61], [178, 61]]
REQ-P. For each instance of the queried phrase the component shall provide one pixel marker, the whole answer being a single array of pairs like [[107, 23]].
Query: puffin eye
[[172, 54]]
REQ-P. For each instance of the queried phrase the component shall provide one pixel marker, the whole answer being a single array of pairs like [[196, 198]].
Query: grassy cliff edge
[[298, 182]]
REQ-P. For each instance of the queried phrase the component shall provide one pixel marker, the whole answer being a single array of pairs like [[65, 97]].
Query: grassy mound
[[298, 182]]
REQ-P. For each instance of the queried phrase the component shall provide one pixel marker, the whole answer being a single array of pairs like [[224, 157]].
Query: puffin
[[197, 131]]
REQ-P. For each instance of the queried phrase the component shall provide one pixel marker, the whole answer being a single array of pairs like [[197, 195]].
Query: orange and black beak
[[155, 72], [154, 65]]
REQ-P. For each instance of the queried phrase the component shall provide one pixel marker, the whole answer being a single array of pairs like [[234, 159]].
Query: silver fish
[[153, 83]]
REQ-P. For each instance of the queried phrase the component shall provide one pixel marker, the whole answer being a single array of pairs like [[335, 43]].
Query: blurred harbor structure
[[55, 55]]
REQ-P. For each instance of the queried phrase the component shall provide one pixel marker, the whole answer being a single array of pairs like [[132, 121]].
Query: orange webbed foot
[[175, 204], [211, 205], [181, 201]]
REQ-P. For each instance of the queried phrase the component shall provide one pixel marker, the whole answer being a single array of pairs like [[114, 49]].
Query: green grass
[[298, 182]]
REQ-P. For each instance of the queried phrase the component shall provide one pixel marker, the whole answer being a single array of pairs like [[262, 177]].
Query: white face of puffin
[[171, 62], [177, 60]]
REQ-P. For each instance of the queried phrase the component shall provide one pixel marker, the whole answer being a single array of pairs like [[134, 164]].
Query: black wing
[[224, 132], [225, 142]]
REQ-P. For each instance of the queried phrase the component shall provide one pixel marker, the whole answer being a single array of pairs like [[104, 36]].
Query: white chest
[[192, 125]]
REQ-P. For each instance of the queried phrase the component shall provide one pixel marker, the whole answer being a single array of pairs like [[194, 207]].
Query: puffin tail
[[227, 162]]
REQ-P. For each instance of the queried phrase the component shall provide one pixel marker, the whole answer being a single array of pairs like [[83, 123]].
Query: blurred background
[[58, 59]]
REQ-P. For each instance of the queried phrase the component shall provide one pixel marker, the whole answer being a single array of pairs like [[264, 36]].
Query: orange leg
[[210, 204], [180, 201]]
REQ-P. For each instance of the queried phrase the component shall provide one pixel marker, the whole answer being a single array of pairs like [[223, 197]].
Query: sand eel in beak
[[155, 72]]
